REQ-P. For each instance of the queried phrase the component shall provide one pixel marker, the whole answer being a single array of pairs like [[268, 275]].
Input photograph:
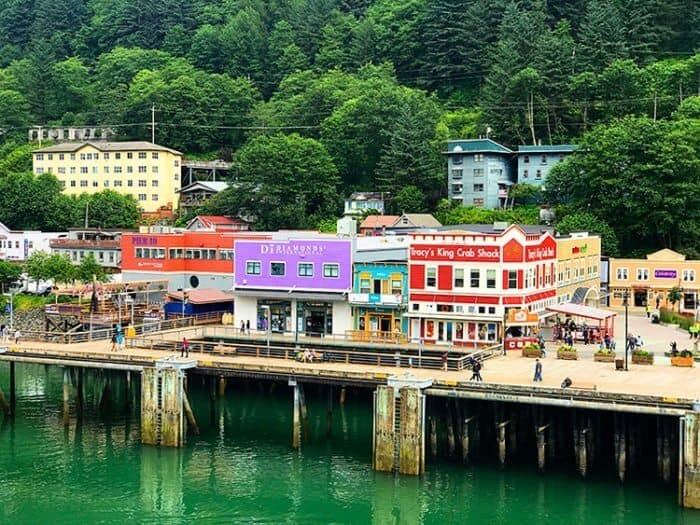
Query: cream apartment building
[[148, 172]]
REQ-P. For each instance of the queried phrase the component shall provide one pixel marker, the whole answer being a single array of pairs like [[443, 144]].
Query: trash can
[[619, 364]]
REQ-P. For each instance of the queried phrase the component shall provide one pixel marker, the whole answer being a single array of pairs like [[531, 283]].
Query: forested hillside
[[368, 90]]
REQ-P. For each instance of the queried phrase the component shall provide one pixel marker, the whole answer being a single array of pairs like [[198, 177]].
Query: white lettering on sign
[[292, 249], [540, 253], [455, 253]]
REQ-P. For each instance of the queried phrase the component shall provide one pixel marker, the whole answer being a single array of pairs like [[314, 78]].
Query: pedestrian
[[476, 372], [6, 333], [185, 351], [658, 301], [542, 350], [247, 327], [585, 334], [566, 383], [17, 336], [114, 342], [639, 342], [444, 360], [648, 310], [120, 341], [242, 327], [538, 371]]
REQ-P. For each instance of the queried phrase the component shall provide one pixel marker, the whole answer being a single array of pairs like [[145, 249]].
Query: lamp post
[[625, 303], [268, 317], [12, 309]]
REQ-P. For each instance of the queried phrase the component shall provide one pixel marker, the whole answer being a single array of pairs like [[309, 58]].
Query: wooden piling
[[66, 394], [13, 390], [191, 421], [172, 420], [222, 386], [149, 407], [582, 458], [383, 441], [304, 415], [411, 442], [329, 412], [465, 439], [450, 429], [296, 430], [4, 405], [127, 389], [501, 438], [541, 446], [342, 395], [433, 436], [620, 443], [666, 462]]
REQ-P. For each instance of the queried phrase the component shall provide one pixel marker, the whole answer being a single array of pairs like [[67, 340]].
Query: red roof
[[379, 221], [214, 220]]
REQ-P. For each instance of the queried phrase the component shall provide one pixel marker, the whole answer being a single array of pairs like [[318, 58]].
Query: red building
[[188, 259], [462, 283]]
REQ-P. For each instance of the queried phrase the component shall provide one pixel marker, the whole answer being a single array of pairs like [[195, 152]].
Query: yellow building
[[148, 172], [578, 269], [648, 281]]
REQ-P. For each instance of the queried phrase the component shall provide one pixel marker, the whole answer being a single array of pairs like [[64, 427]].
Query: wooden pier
[[418, 405]]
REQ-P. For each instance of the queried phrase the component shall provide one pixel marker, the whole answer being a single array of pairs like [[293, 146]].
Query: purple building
[[295, 285]]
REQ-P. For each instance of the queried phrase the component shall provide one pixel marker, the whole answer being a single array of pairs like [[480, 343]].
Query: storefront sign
[[541, 252], [580, 249], [430, 252], [144, 241], [292, 249], [665, 274]]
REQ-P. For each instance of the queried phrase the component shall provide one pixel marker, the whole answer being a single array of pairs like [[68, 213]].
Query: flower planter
[[526, 352], [642, 359], [570, 356], [604, 358], [682, 361]]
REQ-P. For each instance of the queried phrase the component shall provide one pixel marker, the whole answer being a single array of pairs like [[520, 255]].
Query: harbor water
[[91, 468]]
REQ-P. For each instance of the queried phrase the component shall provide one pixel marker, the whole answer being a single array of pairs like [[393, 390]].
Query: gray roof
[[416, 220], [530, 229], [556, 148], [475, 146], [213, 186], [71, 147]]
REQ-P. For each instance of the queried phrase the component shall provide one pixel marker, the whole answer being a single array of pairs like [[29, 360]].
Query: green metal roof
[[475, 146], [563, 148]]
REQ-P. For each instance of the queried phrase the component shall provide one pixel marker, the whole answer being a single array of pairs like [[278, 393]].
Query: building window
[[525, 174], [142, 196], [457, 174], [331, 270], [364, 286], [252, 267], [142, 169], [530, 278], [95, 169], [526, 159], [154, 169], [130, 169], [457, 160], [457, 189], [474, 278], [72, 156], [117, 169], [277, 269], [129, 155], [642, 274], [478, 172], [478, 202], [83, 156], [130, 183], [39, 156], [142, 183], [83, 184], [72, 170], [117, 156], [40, 170], [72, 184], [95, 184], [396, 286], [490, 278], [117, 183], [478, 188], [431, 277], [83, 169], [512, 279], [689, 276], [621, 274], [154, 155], [306, 270], [106, 169], [63, 184], [544, 159], [478, 157], [105, 156], [154, 197], [459, 278], [106, 184], [61, 156], [154, 183], [177, 164], [538, 175], [142, 155]]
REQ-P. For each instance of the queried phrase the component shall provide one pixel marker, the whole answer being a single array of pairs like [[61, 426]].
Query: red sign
[[547, 249], [452, 252]]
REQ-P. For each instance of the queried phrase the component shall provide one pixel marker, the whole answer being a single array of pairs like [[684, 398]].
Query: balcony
[[376, 299]]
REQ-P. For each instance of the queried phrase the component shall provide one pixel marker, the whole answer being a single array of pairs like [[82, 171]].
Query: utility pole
[[153, 124], [87, 207]]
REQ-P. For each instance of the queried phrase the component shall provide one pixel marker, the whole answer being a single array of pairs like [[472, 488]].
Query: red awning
[[582, 311]]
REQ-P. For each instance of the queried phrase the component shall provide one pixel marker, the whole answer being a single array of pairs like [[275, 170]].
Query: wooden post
[[222, 386], [465, 439], [212, 401], [689, 461], [127, 389], [150, 432], [304, 415], [411, 441], [433, 436], [541, 446], [191, 421], [666, 464], [4, 405], [329, 412], [501, 437], [583, 451], [384, 429], [66, 394], [620, 447], [342, 395], [172, 420], [450, 429]]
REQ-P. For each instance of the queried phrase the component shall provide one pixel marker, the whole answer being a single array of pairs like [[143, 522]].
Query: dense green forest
[[316, 98]]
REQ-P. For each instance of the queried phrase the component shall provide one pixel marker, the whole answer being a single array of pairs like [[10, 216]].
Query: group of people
[[245, 327], [634, 342], [565, 332], [117, 338], [309, 356], [7, 334], [476, 369]]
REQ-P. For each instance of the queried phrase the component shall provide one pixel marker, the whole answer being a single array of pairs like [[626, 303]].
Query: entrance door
[[448, 328], [385, 324], [640, 298], [441, 331]]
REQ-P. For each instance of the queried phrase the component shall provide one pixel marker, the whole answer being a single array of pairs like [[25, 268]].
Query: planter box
[[642, 359], [531, 353], [570, 356], [682, 361], [604, 358]]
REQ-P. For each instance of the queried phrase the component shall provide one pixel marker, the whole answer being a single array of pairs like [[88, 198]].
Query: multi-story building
[[104, 245], [535, 162], [18, 245], [379, 295], [649, 281], [361, 203], [462, 283], [148, 172], [578, 269], [479, 172], [298, 286], [187, 259]]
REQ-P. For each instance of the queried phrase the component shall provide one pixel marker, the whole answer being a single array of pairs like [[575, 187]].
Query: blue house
[[479, 172], [535, 162], [379, 299]]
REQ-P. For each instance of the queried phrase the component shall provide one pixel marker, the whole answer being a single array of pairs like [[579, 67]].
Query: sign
[[580, 249], [431, 252], [292, 249], [540, 252], [516, 317], [144, 241], [665, 274]]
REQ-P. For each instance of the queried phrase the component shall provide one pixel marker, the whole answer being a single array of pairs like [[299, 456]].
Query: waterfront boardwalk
[[659, 380]]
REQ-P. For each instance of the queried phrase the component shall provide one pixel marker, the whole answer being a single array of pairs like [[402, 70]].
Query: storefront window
[[252, 267], [490, 278], [277, 269], [431, 277], [280, 316], [330, 270], [364, 285]]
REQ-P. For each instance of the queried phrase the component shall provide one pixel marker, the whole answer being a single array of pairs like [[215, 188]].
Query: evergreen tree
[[601, 38]]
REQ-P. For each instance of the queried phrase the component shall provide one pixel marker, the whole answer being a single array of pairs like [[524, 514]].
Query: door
[[385, 324], [448, 330], [640, 298], [441, 331]]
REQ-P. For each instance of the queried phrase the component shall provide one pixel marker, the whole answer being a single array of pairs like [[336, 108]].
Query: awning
[[288, 296], [582, 311]]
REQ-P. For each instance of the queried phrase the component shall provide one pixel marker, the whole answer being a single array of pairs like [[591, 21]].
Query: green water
[[241, 469]]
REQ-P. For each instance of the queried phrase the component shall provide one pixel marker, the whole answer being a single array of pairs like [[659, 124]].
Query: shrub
[[566, 348], [671, 317], [605, 351], [531, 346], [686, 353], [641, 353]]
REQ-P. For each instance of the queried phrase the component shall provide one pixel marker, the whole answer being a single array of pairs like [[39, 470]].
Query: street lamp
[[625, 303], [268, 317]]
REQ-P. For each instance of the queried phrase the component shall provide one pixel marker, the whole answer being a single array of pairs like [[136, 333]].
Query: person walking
[[444, 360], [647, 310], [242, 327], [476, 372], [120, 341], [114, 342], [538, 371], [247, 327], [185, 351], [17, 336]]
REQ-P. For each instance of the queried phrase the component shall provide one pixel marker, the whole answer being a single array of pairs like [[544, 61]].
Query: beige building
[[649, 280], [578, 269], [148, 172]]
